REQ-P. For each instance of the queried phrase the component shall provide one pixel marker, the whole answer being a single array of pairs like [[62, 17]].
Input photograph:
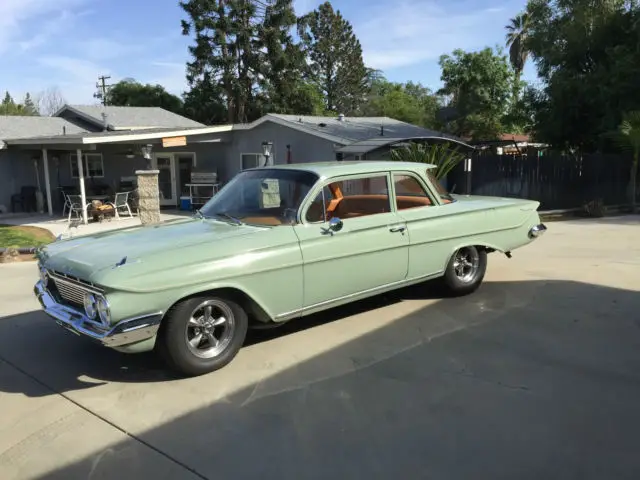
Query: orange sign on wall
[[174, 142]]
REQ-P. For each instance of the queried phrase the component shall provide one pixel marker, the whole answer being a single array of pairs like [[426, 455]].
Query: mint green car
[[275, 244]]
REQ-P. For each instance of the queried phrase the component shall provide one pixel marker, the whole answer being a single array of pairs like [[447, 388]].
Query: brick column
[[148, 196]]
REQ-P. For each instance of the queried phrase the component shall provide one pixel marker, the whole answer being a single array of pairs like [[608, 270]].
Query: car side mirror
[[335, 224]]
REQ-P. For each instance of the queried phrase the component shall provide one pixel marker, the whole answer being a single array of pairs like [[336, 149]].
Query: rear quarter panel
[[436, 232]]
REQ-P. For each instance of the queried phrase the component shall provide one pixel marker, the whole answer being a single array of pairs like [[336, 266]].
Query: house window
[[92, 165], [409, 192], [252, 160]]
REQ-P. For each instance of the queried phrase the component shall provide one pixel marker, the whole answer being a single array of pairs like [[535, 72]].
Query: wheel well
[[479, 247], [254, 311]]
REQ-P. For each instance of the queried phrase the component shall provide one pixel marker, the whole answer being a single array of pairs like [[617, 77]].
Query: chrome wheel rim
[[210, 329], [466, 264]]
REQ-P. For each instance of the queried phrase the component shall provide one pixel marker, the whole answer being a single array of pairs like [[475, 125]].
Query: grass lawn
[[22, 236]]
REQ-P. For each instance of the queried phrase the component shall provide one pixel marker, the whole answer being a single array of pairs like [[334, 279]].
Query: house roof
[[91, 138], [371, 144], [17, 127], [352, 129], [365, 131], [130, 118]]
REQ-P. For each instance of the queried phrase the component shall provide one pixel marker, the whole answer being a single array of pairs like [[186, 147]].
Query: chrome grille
[[71, 289]]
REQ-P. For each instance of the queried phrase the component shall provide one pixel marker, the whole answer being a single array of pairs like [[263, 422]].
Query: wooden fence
[[556, 181]]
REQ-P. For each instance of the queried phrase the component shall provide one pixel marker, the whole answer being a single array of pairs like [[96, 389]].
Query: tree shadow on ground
[[525, 380]]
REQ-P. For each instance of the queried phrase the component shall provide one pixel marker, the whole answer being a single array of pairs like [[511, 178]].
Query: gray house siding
[[304, 147], [17, 170]]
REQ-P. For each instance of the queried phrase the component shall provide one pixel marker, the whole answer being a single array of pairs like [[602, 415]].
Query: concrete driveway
[[535, 376]]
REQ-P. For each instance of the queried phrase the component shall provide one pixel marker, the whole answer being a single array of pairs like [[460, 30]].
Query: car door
[[369, 251], [429, 230]]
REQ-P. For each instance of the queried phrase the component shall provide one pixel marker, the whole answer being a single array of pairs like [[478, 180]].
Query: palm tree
[[629, 137], [517, 33]]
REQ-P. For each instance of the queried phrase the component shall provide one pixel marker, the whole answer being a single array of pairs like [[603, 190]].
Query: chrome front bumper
[[537, 230], [126, 332]]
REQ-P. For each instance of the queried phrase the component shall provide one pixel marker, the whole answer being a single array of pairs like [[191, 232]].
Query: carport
[[139, 143], [373, 146]]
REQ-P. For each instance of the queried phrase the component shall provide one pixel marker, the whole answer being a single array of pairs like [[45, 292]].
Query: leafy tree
[[409, 102], [478, 85], [517, 32], [9, 107], [440, 154], [335, 59], [129, 92], [588, 57]]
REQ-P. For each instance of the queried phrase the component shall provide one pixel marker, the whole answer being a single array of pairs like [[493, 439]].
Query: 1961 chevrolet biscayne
[[275, 244]]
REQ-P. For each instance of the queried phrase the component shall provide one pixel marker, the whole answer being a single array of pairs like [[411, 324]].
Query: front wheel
[[465, 270], [202, 334]]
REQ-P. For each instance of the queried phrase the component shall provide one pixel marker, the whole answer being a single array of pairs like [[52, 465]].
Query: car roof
[[349, 167]]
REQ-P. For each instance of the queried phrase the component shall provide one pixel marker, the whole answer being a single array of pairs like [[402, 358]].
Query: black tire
[[459, 282], [178, 327]]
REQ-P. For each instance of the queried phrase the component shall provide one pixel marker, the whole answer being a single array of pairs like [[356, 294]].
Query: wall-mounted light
[[266, 150], [146, 153]]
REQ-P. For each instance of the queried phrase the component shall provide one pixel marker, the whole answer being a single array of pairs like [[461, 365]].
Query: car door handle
[[397, 229]]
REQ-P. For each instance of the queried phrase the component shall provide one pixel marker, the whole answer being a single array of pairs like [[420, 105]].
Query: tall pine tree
[[335, 59], [244, 59], [283, 62]]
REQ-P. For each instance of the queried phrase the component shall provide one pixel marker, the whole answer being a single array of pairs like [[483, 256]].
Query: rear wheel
[[465, 270], [202, 334]]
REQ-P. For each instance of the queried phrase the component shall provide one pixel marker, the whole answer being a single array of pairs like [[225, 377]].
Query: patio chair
[[75, 206], [26, 199], [121, 202], [67, 203]]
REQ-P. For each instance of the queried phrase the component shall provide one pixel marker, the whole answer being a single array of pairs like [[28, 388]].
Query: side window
[[360, 197], [318, 208], [409, 192]]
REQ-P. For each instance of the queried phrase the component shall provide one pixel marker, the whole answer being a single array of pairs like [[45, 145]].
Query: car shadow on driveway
[[63, 359], [536, 379]]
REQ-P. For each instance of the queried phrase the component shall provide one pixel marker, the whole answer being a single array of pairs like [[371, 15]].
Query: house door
[[165, 163]]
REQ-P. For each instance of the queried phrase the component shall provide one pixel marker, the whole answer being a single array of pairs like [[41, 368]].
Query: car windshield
[[264, 196], [444, 194]]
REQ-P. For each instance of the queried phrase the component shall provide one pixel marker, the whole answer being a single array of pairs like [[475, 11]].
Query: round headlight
[[104, 311], [90, 305]]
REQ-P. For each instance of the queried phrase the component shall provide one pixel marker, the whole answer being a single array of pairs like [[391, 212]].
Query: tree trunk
[[516, 86]]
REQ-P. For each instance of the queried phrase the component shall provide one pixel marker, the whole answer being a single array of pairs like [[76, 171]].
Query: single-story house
[[99, 148]]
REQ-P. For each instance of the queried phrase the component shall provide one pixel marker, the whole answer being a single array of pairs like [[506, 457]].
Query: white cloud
[[418, 31], [18, 23]]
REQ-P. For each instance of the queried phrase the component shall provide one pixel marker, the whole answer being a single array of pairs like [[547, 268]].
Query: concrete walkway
[[60, 226], [536, 375]]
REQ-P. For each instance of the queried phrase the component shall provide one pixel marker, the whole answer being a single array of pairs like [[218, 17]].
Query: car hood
[[87, 257]]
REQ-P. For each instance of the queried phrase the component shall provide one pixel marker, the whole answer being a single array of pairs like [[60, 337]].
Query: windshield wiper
[[228, 217]]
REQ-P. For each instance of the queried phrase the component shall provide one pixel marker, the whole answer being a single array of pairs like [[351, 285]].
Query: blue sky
[[68, 43]]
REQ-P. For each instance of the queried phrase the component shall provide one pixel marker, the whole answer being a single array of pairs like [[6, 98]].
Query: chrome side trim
[[131, 330], [537, 230], [354, 296]]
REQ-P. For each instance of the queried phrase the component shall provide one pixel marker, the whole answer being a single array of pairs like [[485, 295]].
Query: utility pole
[[102, 89]]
